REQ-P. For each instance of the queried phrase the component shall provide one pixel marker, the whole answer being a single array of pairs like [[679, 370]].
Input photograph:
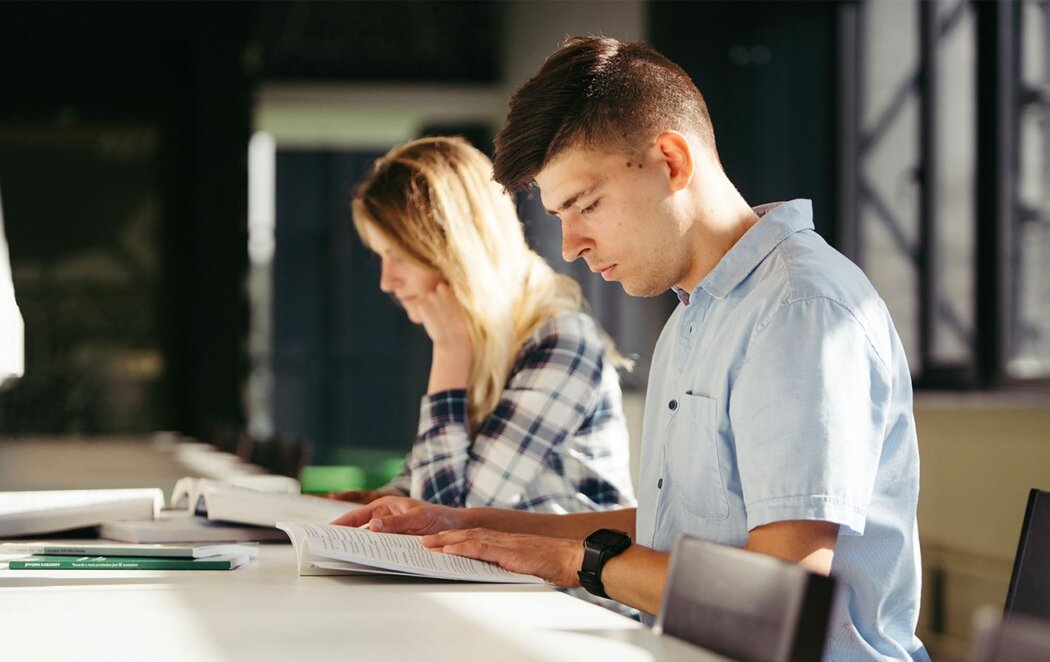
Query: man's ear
[[677, 155]]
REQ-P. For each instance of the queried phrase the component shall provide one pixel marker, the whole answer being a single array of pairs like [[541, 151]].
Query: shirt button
[[672, 405], [660, 484]]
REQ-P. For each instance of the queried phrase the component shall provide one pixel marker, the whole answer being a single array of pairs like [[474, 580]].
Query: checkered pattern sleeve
[[552, 391]]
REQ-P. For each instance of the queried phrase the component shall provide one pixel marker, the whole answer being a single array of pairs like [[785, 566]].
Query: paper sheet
[[391, 551]]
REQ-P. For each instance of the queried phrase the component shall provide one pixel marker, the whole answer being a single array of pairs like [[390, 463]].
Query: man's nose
[[572, 244]]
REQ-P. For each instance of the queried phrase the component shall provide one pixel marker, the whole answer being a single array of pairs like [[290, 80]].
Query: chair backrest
[[284, 455], [1010, 638], [745, 605], [1029, 591]]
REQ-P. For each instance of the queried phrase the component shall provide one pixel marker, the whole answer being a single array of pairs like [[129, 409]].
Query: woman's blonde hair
[[435, 199]]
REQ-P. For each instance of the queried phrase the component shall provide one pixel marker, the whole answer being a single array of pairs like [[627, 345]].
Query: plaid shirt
[[556, 441]]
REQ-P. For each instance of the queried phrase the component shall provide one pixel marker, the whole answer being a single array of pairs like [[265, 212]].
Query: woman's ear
[[677, 156]]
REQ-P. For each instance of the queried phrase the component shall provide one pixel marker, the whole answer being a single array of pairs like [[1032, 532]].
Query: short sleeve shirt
[[779, 391]]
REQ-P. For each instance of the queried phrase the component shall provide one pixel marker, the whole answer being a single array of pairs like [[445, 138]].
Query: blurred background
[[175, 181]]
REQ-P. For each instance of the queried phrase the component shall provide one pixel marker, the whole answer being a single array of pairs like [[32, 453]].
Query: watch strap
[[598, 548]]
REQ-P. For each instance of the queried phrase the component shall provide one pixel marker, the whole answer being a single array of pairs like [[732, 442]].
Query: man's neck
[[720, 221]]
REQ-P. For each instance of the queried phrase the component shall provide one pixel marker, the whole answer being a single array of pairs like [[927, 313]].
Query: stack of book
[[106, 556], [245, 508]]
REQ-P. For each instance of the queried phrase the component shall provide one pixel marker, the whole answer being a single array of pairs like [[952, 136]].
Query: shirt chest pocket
[[692, 456]]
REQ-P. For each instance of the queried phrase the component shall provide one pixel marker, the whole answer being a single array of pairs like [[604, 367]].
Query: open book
[[238, 509], [181, 526], [232, 503], [34, 512], [188, 491], [325, 549]]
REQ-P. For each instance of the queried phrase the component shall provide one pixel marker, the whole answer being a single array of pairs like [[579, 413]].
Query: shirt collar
[[777, 221]]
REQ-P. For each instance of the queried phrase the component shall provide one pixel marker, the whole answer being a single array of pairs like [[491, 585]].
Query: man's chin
[[642, 291]]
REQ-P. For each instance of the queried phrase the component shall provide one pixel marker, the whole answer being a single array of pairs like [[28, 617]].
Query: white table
[[158, 460], [264, 611]]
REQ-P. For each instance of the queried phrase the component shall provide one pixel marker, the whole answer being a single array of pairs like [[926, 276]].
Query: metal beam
[[998, 61]]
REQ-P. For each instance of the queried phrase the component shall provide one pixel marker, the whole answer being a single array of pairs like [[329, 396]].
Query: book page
[[392, 551], [179, 526], [348, 568], [184, 493], [29, 512], [43, 500], [240, 504], [188, 489]]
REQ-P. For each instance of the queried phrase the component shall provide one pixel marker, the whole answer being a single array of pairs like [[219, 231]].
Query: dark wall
[[349, 367], [132, 119], [81, 81], [381, 41], [767, 71], [151, 104]]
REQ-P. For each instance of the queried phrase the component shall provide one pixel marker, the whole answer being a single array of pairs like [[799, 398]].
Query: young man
[[778, 416]]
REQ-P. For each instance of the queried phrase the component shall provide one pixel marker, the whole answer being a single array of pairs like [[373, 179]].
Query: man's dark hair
[[599, 93]]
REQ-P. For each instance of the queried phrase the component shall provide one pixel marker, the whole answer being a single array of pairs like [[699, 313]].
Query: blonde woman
[[523, 406]]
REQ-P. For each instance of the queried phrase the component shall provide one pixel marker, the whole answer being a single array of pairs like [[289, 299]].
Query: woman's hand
[[443, 318], [446, 323]]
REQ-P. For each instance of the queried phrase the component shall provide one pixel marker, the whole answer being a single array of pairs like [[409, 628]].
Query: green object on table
[[384, 471], [352, 469], [45, 562], [319, 479]]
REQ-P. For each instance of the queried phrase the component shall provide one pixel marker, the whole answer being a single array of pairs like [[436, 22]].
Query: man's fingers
[[454, 536], [474, 549], [506, 557], [412, 521], [355, 517]]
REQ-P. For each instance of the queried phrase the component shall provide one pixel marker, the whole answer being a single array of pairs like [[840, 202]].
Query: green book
[[94, 549], [117, 549], [47, 562]]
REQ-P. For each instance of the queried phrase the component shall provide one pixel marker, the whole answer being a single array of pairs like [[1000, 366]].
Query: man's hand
[[397, 514], [555, 560]]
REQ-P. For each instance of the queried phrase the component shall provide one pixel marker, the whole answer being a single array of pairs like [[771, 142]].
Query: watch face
[[608, 538]]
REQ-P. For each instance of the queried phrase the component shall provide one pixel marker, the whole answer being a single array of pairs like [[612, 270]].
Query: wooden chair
[[744, 605]]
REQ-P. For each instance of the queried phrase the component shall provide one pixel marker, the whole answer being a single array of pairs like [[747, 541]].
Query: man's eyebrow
[[571, 200]]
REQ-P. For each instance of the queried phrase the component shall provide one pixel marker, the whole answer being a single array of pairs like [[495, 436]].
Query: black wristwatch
[[598, 548]]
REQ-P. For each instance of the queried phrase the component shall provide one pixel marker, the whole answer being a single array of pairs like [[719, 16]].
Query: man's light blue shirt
[[779, 390]]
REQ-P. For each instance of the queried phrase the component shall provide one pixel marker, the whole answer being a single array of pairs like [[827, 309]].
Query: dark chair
[[1010, 638], [224, 437], [744, 605], [1029, 592], [281, 455]]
